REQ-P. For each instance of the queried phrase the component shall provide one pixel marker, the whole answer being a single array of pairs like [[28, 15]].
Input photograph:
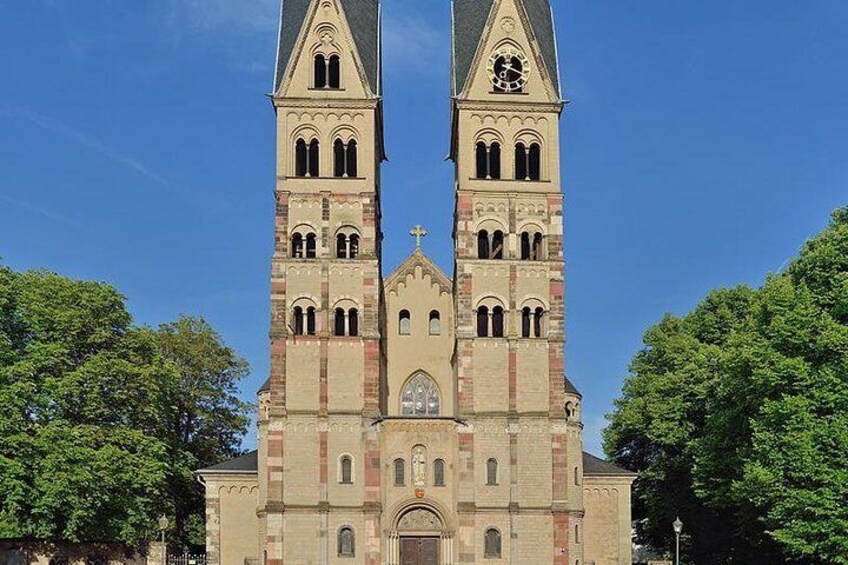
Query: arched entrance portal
[[419, 537]]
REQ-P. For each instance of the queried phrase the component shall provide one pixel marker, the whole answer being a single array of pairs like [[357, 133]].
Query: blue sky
[[705, 142]]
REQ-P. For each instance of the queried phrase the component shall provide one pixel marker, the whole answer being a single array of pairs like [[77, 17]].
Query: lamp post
[[678, 529], [163, 525]]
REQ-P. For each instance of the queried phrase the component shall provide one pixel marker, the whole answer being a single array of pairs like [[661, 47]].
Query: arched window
[[339, 322], [400, 472], [320, 71], [482, 159], [297, 246], [353, 322], [339, 158], [576, 477], [498, 245], [539, 316], [492, 549], [404, 323], [525, 246], [314, 158], [534, 162], [346, 470], [525, 322], [347, 546], [297, 320], [310, 320], [492, 472], [435, 323], [341, 246], [354, 246], [538, 248], [335, 72], [520, 162], [497, 321], [344, 159], [311, 246], [351, 158], [482, 321], [483, 244], [420, 397], [495, 161], [301, 158], [528, 162], [488, 160], [438, 473]]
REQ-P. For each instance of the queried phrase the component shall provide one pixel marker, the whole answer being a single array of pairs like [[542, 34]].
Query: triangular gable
[[407, 268], [479, 25], [359, 23]]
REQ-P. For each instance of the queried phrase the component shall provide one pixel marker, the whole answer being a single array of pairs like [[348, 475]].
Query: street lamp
[[163, 525], [678, 528]]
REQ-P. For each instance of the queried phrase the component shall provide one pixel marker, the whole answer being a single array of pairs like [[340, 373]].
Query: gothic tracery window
[[420, 397]]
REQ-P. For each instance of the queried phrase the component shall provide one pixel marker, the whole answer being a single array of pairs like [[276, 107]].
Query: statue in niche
[[419, 466]]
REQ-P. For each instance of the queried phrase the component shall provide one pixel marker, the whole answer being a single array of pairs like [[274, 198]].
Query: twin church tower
[[418, 419]]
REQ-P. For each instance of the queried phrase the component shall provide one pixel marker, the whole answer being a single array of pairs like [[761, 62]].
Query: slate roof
[[595, 466], [469, 22], [363, 18], [247, 463], [266, 386]]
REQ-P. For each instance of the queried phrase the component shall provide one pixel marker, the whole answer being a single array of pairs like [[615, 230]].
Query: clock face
[[508, 69]]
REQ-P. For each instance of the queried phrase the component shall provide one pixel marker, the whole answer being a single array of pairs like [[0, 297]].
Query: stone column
[[157, 553]]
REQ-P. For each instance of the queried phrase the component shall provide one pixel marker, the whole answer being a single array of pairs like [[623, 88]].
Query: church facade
[[419, 419]]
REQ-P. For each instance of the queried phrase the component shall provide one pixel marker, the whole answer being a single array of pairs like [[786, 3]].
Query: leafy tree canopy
[[102, 422], [736, 417]]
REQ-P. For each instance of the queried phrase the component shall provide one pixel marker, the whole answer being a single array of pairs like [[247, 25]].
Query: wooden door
[[419, 551]]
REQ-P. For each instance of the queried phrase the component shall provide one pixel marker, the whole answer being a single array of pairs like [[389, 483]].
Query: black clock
[[508, 69]]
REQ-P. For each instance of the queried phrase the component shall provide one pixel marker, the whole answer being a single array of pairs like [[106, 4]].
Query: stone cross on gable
[[418, 232]]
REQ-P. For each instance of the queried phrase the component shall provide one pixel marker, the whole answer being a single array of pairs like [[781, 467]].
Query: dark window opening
[[482, 158], [301, 158], [435, 323], [351, 158], [498, 245], [521, 162], [335, 72], [495, 161], [497, 322], [483, 244], [314, 169], [338, 158], [537, 322], [310, 320], [341, 246], [297, 316], [320, 71], [354, 246], [534, 162], [339, 323], [538, 248], [488, 160], [482, 322], [297, 246], [525, 323], [311, 246], [525, 246], [353, 322]]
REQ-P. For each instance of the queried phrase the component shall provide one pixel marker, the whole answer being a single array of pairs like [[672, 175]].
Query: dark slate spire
[[363, 17], [469, 22]]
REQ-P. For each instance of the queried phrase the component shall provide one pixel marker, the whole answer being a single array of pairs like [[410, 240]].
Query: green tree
[[103, 422], [736, 416]]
